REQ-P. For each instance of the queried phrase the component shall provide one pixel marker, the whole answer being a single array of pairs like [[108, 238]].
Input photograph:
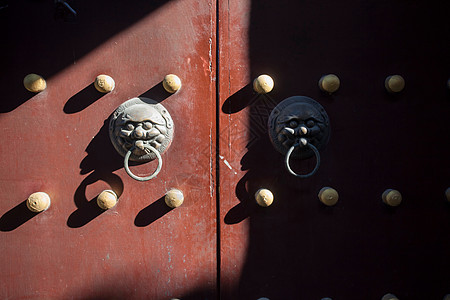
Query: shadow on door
[[300, 249], [48, 42]]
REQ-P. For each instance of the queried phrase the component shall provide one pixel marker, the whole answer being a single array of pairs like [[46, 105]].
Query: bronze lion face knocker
[[299, 127], [141, 130]]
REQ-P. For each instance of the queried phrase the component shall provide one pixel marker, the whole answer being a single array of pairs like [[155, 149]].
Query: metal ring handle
[[288, 155], [138, 178]]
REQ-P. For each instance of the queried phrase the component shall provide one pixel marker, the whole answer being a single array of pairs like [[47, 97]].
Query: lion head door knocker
[[299, 127], [141, 130]]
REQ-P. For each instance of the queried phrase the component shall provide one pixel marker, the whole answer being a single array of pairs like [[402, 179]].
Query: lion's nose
[[302, 130], [139, 132]]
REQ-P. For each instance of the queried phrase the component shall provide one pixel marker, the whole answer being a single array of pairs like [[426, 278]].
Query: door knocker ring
[[299, 127], [305, 143], [138, 178]]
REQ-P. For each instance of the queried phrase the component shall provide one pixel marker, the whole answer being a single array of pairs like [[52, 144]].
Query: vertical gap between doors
[[217, 152]]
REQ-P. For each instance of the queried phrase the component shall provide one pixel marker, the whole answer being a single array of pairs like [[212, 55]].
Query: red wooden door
[[58, 143], [219, 243], [298, 248]]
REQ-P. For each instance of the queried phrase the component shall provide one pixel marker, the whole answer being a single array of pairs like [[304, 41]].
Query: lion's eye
[[129, 126], [310, 123], [147, 125], [293, 124]]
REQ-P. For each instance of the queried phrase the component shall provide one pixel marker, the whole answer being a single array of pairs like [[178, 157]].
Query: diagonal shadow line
[[16, 90], [157, 93], [16, 217], [152, 213], [246, 96], [68, 41], [89, 95], [82, 99]]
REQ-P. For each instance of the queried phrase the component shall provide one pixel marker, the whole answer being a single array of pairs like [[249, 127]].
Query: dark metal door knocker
[[141, 130], [299, 127]]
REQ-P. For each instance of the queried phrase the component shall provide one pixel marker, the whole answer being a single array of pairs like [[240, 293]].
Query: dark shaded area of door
[[48, 42], [300, 249]]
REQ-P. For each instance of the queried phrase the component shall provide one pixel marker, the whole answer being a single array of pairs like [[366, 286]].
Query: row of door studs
[[103, 83], [40, 201], [263, 84], [388, 296], [329, 197]]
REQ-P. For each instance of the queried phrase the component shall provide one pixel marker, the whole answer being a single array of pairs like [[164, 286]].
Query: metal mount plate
[[139, 122], [290, 117]]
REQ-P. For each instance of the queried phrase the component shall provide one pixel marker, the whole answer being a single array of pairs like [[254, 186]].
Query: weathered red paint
[[57, 142]]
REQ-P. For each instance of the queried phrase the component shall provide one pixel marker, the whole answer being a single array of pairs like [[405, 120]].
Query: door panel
[[298, 248], [58, 143]]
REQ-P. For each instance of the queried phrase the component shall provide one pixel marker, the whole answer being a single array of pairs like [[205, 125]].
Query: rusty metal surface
[[59, 144], [298, 248]]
